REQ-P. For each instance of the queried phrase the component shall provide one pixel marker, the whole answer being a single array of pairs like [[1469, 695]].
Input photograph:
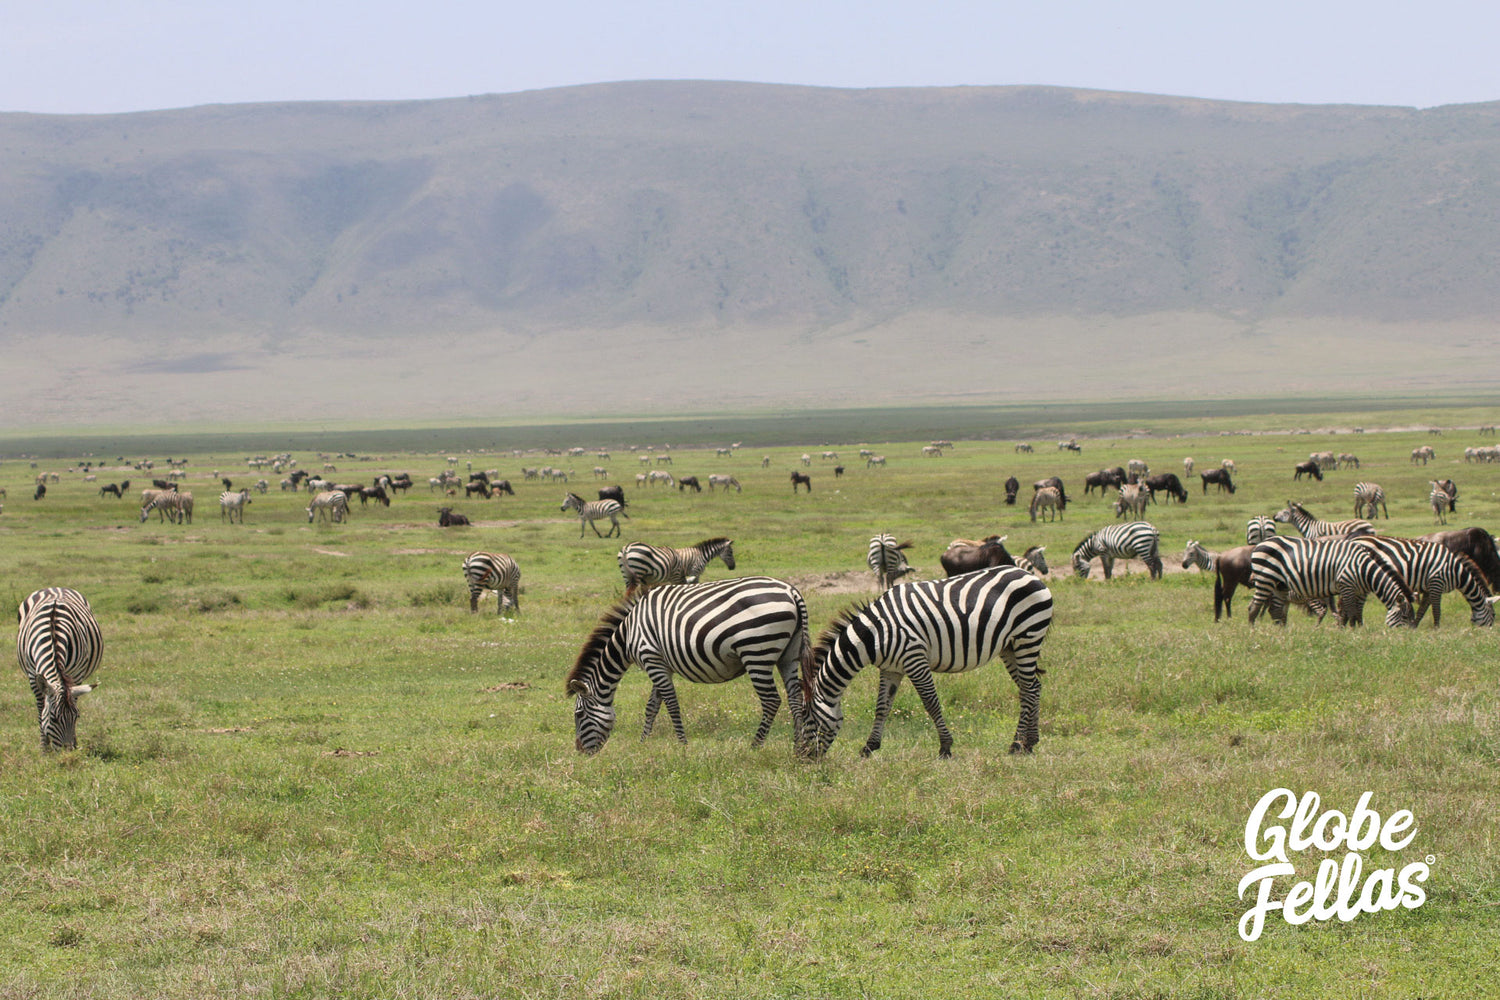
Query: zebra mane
[[841, 621], [603, 632], [709, 543]]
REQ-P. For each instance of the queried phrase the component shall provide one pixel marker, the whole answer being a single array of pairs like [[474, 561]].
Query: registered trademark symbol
[[1431, 858]]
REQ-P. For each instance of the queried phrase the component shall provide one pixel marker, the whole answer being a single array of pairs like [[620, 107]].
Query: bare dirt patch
[[845, 582], [507, 686]]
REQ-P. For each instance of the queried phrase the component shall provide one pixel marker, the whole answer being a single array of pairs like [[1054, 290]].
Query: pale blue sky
[[91, 56]]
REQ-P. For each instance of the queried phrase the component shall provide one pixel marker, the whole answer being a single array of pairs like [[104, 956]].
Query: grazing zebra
[[1423, 454], [888, 560], [1439, 500], [1024, 448], [1133, 497], [703, 632], [644, 566], [1034, 561], [1283, 569], [875, 460], [934, 626], [329, 505], [1133, 538], [1429, 571], [1312, 528], [1258, 529], [1368, 496], [590, 511], [1045, 499], [232, 502], [59, 645], [1138, 468], [169, 505], [724, 481], [493, 571]]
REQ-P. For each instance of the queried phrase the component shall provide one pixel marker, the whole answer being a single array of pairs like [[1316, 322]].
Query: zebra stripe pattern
[[1034, 561], [1258, 529], [888, 560], [644, 566], [493, 571], [590, 511], [1440, 500], [934, 626], [1135, 538], [1312, 528], [170, 505], [705, 632], [1429, 571], [233, 502], [329, 505], [1196, 554], [1283, 569], [1367, 498], [59, 646]]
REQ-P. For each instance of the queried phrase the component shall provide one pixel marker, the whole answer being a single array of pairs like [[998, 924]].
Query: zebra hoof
[[869, 748], [945, 752]]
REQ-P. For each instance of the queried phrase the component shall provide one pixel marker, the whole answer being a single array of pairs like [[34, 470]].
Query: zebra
[[1312, 528], [1424, 454], [1133, 497], [933, 626], [1367, 496], [232, 501], [1187, 467], [1429, 571], [329, 505], [1034, 561], [493, 571], [1048, 497], [1258, 529], [724, 481], [59, 645], [1132, 538], [644, 566], [1196, 554], [888, 560], [168, 504], [1438, 499], [703, 632], [590, 511], [1283, 569], [151, 500], [875, 460]]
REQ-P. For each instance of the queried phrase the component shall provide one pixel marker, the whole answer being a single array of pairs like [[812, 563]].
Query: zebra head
[[1195, 553], [59, 716], [593, 718], [594, 677], [1080, 565], [1036, 555], [1284, 515]]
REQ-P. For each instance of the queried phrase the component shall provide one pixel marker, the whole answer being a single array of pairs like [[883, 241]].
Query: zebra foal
[[59, 646], [590, 511], [493, 571], [933, 626], [704, 632]]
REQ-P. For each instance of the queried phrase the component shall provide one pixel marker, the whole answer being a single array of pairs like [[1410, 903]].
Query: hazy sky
[[88, 56]]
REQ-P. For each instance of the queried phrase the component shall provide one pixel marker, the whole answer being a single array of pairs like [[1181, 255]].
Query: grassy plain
[[310, 771]]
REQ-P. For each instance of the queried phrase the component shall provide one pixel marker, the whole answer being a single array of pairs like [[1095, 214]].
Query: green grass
[[310, 771]]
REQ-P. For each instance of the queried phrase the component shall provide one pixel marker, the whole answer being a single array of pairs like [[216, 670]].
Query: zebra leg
[[653, 705], [515, 599], [1434, 596], [662, 690], [1024, 673], [473, 600], [1107, 561], [764, 682], [889, 682], [921, 679], [791, 681]]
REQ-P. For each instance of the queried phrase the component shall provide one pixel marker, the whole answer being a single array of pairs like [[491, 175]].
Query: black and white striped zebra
[[1196, 555], [888, 560], [1342, 569], [1429, 571], [1034, 561], [1439, 499], [59, 646], [1133, 538], [934, 626], [329, 505], [1258, 529], [233, 502], [703, 632], [493, 571], [1367, 498], [1313, 528], [590, 511], [644, 566]]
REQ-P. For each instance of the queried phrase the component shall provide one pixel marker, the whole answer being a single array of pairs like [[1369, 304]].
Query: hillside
[[757, 245]]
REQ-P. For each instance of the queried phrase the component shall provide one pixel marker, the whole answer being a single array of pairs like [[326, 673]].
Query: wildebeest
[[684, 482], [1012, 487], [838, 470], [1476, 543], [368, 493], [111, 489], [965, 556], [41, 491], [616, 493], [480, 486], [1167, 483], [803, 478], [1231, 570], [1220, 477], [1104, 479], [1309, 468], [447, 519]]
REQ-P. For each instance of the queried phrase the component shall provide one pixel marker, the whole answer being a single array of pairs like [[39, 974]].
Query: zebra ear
[[79, 690], [1492, 600], [577, 686]]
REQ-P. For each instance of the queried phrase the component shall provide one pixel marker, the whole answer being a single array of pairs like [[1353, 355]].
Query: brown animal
[[966, 556], [803, 478], [1476, 543], [448, 519]]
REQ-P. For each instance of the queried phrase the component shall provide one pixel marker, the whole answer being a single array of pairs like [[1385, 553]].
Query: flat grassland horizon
[[309, 770]]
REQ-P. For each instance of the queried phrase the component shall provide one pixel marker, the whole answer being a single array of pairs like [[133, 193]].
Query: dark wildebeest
[[480, 486], [41, 491], [111, 489], [1220, 477], [803, 478], [227, 484], [683, 482], [1012, 487], [1057, 483], [447, 519], [1231, 570], [1305, 468], [838, 470], [965, 556], [368, 493], [1169, 484], [500, 486], [616, 493], [1104, 479], [1476, 543]]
